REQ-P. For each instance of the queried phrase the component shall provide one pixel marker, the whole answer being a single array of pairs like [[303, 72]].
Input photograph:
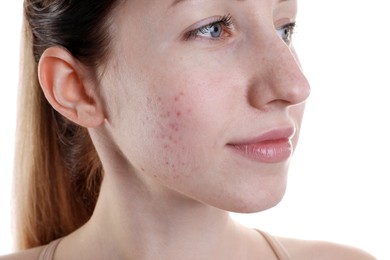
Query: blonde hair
[[57, 173]]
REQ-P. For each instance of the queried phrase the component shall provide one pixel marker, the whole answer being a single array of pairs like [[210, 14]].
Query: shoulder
[[319, 250], [29, 254]]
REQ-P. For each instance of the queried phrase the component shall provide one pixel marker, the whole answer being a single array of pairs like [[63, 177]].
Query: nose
[[277, 77]]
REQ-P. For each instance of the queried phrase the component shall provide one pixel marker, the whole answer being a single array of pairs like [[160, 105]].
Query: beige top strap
[[277, 247], [49, 250]]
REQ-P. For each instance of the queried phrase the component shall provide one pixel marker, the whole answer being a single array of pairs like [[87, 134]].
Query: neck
[[147, 224]]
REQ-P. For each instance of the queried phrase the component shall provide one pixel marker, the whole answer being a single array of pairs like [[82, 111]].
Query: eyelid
[[286, 25], [283, 22]]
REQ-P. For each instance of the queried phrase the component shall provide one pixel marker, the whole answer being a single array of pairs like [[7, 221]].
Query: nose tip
[[290, 84], [280, 79]]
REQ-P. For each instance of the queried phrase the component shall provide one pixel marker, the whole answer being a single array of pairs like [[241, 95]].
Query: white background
[[339, 179]]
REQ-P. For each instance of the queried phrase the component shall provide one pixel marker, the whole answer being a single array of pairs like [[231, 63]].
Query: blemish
[[177, 98], [173, 126], [178, 114]]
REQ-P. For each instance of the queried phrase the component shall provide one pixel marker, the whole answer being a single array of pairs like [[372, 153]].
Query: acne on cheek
[[172, 123]]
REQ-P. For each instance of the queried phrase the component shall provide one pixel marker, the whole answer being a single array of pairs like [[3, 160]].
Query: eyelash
[[225, 21], [227, 24], [290, 30]]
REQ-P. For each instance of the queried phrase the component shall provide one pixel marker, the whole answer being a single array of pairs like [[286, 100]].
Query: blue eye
[[211, 31], [286, 32], [215, 30]]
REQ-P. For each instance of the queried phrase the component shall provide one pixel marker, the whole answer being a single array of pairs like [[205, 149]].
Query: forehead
[[175, 3]]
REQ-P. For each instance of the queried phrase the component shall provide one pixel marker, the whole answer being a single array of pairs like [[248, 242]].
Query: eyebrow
[[175, 2]]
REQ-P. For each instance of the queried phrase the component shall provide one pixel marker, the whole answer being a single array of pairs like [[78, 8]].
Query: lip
[[274, 146]]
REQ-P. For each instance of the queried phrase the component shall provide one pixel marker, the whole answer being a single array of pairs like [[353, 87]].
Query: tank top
[[49, 250], [278, 249]]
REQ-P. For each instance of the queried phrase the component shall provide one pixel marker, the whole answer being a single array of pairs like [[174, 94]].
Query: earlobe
[[69, 88]]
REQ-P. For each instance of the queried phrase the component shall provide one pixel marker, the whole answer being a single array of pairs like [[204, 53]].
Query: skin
[[162, 119]]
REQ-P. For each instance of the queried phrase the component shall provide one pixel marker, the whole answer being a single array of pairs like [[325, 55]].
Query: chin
[[254, 201], [260, 196], [259, 206]]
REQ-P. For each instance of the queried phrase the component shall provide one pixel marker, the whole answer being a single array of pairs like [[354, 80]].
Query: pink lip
[[272, 147]]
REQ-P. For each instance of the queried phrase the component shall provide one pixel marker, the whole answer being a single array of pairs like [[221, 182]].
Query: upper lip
[[274, 134]]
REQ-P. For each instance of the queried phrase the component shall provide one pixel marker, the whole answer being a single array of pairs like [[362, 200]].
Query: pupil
[[215, 31]]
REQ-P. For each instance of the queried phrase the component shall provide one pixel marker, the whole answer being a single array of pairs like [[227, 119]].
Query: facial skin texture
[[174, 105]]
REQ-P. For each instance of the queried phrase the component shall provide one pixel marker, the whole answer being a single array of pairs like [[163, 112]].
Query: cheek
[[170, 122]]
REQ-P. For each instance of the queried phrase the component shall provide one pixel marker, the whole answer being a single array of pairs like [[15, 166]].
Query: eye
[[215, 30], [212, 31], [286, 32]]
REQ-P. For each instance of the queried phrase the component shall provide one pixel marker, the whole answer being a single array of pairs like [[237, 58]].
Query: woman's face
[[205, 97]]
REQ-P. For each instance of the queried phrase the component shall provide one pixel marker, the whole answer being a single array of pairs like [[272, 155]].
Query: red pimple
[[173, 126], [177, 98]]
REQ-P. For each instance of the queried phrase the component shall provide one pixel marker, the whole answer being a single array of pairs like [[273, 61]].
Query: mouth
[[271, 147]]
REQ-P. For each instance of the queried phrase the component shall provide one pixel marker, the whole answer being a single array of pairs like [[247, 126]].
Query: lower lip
[[270, 151]]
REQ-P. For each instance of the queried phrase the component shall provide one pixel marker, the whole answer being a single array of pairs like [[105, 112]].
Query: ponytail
[[57, 171]]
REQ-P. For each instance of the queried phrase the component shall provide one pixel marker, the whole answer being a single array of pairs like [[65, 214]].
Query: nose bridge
[[278, 76]]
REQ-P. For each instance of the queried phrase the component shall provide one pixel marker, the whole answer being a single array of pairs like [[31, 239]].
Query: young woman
[[142, 123]]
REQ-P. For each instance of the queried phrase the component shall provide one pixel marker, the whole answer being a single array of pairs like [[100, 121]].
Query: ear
[[70, 88]]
